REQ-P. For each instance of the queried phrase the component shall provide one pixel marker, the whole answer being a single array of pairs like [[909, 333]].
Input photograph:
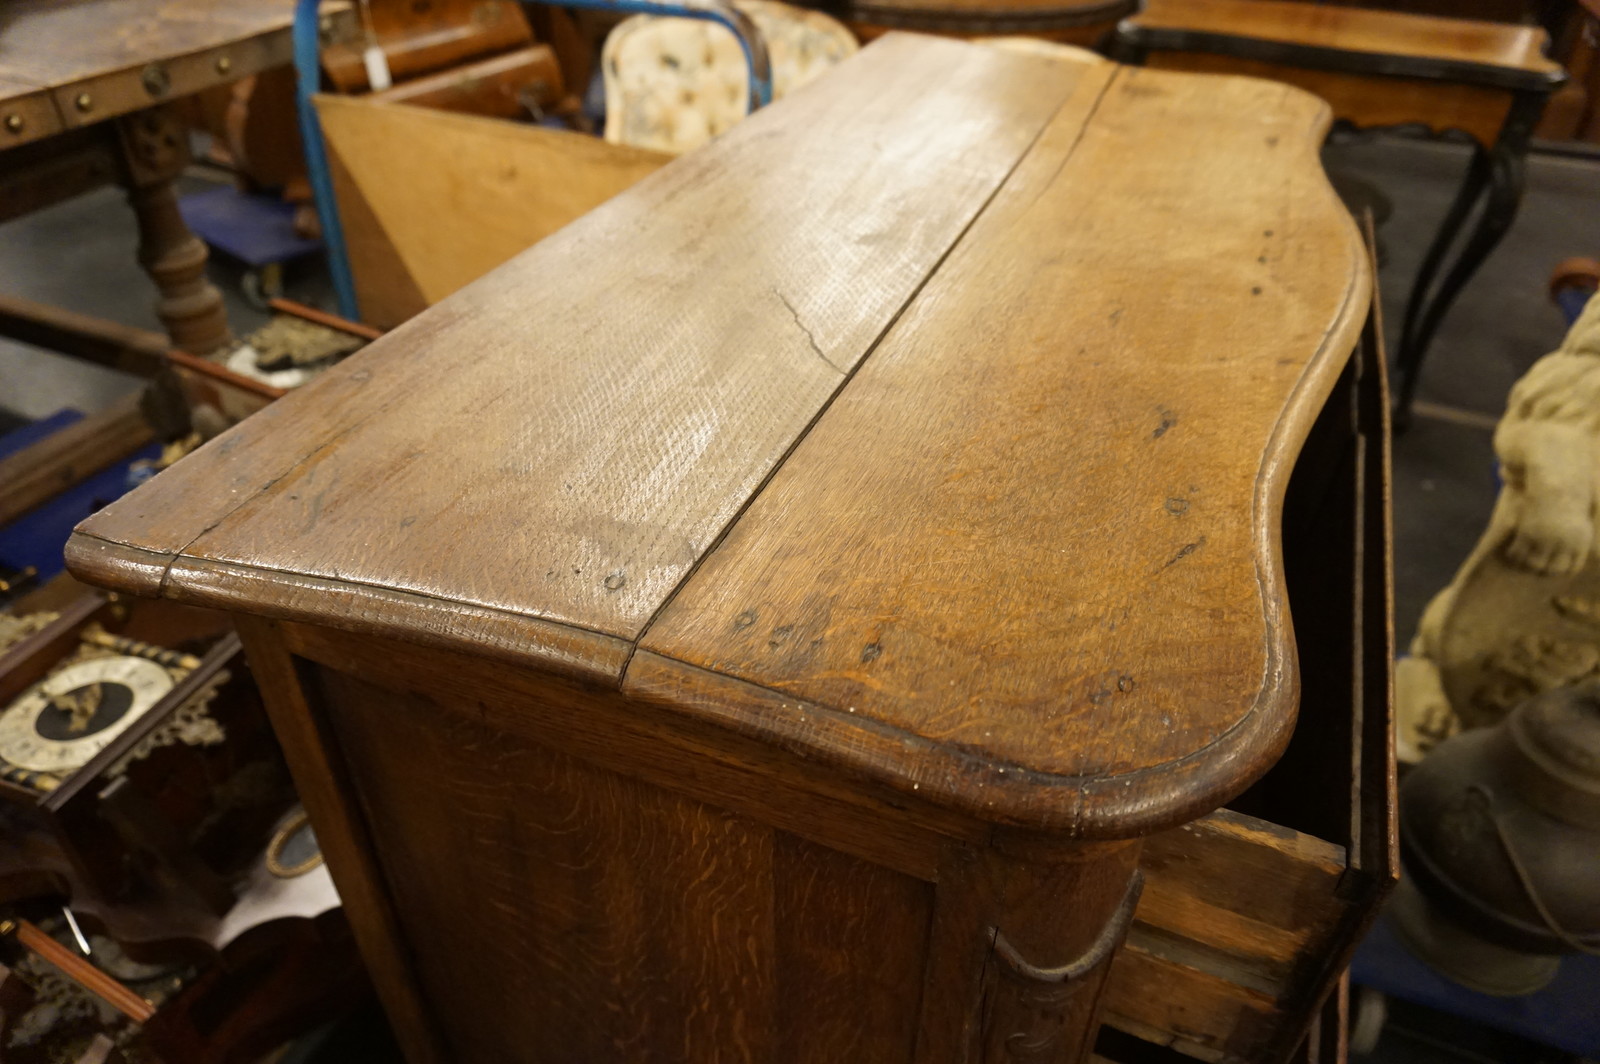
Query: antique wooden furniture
[[763, 620], [86, 94], [126, 809], [1380, 68], [478, 56]]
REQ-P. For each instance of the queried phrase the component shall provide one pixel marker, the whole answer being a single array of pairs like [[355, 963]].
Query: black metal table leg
[[1472, 188], [1500, 170]]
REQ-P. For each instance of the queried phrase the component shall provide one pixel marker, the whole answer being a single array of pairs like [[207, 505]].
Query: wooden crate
[[1249, 915]]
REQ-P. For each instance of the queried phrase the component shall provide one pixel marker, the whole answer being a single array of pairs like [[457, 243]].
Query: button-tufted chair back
[[674, 83]]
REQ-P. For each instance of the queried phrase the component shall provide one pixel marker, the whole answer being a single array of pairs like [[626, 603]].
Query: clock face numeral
[[60, 723]]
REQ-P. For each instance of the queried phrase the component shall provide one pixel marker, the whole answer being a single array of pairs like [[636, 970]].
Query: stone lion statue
[[1522, 615]]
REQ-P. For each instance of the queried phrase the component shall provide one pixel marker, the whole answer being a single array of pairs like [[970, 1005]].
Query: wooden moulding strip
[[85, 974], [106, 343], [322, 317]]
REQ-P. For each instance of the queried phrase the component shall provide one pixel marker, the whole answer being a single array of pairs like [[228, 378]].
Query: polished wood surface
[[955, 634], [607, 527], [783, 599], [1458, 43], [1140, 568]]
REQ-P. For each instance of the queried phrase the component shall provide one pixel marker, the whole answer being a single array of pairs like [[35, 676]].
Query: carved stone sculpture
[[1523, 614]]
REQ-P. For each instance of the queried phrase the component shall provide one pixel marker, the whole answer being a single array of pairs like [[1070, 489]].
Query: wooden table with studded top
[[765, 620], [87, 93]]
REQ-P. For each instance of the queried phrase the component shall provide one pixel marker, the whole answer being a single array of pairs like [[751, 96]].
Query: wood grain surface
[[1022, 559], [50, 43], [1027, 566], [1234, 908], [612, 920], [321, 780], [591, 431], [1338, 28]]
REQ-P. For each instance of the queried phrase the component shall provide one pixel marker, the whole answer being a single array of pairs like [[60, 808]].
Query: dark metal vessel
[[1500, 839]]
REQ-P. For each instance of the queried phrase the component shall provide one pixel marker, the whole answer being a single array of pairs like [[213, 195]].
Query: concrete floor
[[80, 255]]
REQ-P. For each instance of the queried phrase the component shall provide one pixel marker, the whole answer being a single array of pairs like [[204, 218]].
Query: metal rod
[[308, 73]]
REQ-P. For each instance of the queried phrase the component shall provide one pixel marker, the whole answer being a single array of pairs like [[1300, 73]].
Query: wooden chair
[[1380, 68]]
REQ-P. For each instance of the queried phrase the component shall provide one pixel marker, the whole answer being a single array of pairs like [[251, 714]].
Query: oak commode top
[[933, 424]]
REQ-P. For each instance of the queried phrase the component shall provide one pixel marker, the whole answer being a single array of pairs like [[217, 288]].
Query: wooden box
[[765, 620]]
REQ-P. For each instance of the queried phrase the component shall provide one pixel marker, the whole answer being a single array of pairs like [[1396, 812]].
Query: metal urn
[[1500, 840]]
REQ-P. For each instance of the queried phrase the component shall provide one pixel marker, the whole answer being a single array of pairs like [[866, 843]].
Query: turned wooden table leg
[[155, 148], [1058, 924]]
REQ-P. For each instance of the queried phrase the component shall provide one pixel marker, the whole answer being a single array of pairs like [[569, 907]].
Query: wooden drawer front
[[1234, 909], [1249, 915]]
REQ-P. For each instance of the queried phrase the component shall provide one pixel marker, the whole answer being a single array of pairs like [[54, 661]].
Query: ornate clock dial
[[63, 721]]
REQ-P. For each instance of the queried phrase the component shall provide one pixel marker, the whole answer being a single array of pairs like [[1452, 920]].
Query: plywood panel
[[476, 192]]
